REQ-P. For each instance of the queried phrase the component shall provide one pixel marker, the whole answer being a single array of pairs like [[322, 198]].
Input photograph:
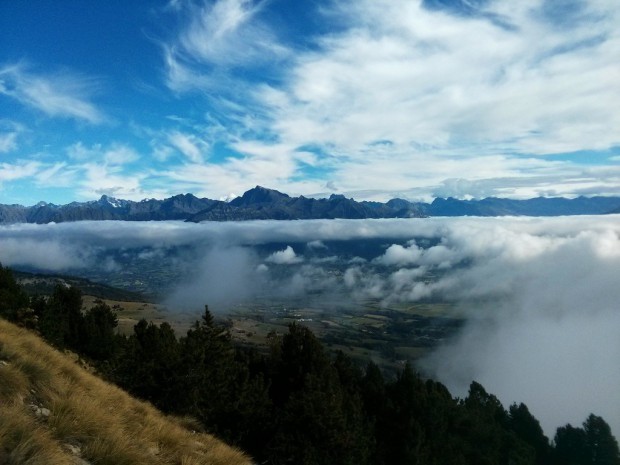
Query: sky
[[372, 99], [539, 295]]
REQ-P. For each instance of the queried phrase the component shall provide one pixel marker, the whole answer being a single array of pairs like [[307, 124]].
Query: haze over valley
[[538, 295]]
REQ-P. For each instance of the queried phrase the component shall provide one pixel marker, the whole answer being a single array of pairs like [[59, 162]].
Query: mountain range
[[261, 203]]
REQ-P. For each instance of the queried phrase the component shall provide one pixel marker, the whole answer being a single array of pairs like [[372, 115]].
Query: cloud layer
[[416, 95], [540, 295]]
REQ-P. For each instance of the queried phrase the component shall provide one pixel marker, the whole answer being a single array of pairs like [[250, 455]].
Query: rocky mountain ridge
[[261, 203], [179, 207]]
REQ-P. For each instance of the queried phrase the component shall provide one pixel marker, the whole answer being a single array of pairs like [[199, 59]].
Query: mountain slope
[[52, 411], [540, 206], [178, 207], [261, 203]]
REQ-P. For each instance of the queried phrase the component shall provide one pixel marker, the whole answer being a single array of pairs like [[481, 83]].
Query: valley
[[389, 336], [365, 330], [460, 298]]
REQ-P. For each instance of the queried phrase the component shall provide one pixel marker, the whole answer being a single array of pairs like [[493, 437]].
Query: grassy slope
[[89, 421]]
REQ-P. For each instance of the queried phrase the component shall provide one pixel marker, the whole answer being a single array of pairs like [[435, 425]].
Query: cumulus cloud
[[316, 245], [398, 255], [284, 257]]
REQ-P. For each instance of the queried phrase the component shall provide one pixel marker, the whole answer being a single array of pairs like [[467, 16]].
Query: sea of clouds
[[541, 295]]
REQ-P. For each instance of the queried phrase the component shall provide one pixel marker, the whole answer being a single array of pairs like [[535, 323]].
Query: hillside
[[53, 411]]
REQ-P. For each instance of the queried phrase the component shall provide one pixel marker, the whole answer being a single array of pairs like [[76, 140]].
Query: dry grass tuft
[[52, 411]]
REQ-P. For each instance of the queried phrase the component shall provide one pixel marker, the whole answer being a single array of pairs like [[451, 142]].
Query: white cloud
[[425, 77], [80, 152], [114, 155], [8, 141], [119, 154], [216, 280], [43, 254], [101, 179], [59, 95], [403, 95], [258, 164], [9, 133], [385, 96], [188, 145], [217, 37], [97, 170], [398, 255], [316, 245], [403, 278], [57, 175], [21, 169], [284, 257], [214, 28]]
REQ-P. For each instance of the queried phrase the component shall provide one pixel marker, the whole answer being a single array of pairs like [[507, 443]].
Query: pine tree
[[13, 300], [207, 375], [601, 445], [148, 368], [62, 322], [99, 325], [571, 446], [528, 429]]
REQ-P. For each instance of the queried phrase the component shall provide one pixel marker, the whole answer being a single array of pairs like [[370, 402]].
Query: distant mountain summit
[[261, 203], [268, 204], [257, 196], [179, 207]]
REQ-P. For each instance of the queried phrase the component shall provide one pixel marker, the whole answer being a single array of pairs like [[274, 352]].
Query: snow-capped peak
[[106, 200]]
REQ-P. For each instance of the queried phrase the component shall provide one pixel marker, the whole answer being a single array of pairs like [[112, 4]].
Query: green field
[[389, 336]]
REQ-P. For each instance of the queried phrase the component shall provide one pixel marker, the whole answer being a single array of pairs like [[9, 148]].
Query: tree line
[[299, 404]]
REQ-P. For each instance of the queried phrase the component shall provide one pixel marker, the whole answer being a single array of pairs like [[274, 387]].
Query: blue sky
[[373, 99]]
